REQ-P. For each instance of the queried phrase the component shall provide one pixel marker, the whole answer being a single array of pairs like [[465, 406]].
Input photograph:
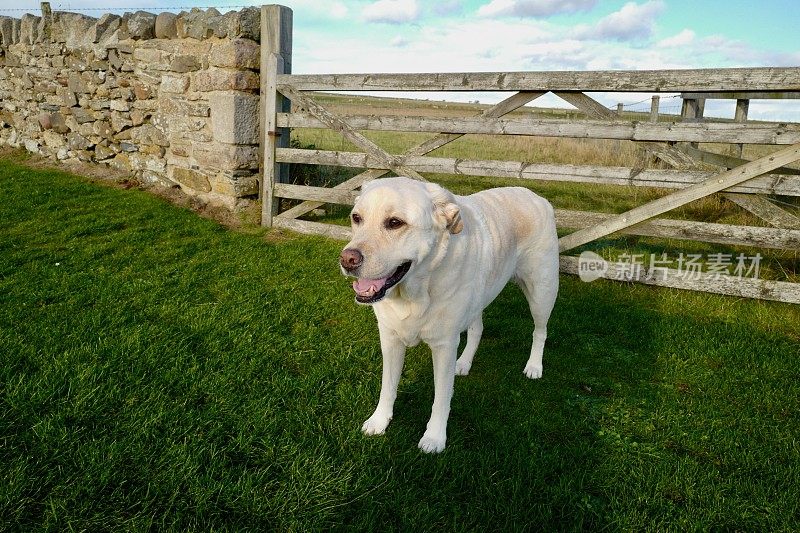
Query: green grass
[[161, 372]]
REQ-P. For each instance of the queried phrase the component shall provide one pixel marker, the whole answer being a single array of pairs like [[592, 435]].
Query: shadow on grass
[[521, 454]]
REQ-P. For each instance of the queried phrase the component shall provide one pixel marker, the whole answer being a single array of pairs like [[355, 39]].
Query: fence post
[[654, 103], [276, 58], [742, 106]]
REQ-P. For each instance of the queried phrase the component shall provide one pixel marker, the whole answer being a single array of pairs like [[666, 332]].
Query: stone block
[[53, 139], [58, 123], [120, 105], [180, 106], [236, 186], [44, 121], [218, 79], [138, 117], [31, 145], [148, 134], [236, 53], [103, 129], [119, 122], [245, 23], [142, 91], [121, 162], [102, 152], [174, 84], [29, 29], [166, 27], [142, 25], [195, 24], [82, 115], [151, 57], [235, 117], [185, 63], [226, 156], [7, 31], [105, 26], [76, 141], [193, 179], [68, 98], [73, 29], [77, 84]]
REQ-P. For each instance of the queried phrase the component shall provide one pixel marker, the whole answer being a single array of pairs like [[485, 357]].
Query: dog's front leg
[[444, 371], [394, 352]]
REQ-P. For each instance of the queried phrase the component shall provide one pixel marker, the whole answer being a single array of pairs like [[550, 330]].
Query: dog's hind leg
[[474, 332], [538, 277]]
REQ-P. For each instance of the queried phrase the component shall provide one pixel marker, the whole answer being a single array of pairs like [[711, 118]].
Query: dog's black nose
[[350, 259]]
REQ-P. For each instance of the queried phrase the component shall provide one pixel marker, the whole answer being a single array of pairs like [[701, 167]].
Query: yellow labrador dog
[[429, 262]]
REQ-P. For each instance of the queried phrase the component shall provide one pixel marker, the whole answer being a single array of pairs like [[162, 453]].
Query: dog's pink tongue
[[368, 287]]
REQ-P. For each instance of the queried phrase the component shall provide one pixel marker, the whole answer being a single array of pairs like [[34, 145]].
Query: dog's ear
[[445, 208]]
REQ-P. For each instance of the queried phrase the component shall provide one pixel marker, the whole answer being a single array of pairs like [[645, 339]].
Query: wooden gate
[[746, 183]]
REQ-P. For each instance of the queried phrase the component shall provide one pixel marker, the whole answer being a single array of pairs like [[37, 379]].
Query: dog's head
[[398, 225]]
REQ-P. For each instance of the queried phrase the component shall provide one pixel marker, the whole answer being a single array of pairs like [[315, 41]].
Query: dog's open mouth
[[369, 291]]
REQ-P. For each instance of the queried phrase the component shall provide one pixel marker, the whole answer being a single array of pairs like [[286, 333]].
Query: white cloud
[[399, 42], [391, 11], [683, 38], [533, 8], [633, 21], [338, 10]]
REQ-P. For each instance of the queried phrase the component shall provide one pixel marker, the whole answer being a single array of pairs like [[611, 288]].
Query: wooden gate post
[[276, 58]]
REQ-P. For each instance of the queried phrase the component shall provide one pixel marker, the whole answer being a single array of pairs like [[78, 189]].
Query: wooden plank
[[348, 132], [503, 107], [332, 231], [655, 81], [690, 230], [718, 183], [659, 178], [319, 194], [276, 59], [780, 291], [720, 132], [744, 95], [593, 108], [728, 161], [665, 228], [587, 104], [272, 170], [740, 287], [765, 210]]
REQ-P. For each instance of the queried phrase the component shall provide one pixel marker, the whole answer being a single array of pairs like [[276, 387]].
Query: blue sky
[[496, 35]]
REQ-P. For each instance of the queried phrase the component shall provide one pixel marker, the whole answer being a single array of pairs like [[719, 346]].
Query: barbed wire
[[113, 8]]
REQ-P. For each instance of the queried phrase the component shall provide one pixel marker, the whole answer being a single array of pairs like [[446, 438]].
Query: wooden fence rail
[[675, 142]]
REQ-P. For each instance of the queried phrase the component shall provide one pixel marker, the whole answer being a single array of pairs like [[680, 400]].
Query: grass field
[[162, 372]]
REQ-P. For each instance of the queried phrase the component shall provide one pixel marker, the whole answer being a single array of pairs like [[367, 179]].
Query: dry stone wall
[[172, 98]]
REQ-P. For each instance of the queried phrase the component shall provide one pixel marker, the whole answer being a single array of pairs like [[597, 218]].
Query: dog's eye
[[393, 223], [356, 218]]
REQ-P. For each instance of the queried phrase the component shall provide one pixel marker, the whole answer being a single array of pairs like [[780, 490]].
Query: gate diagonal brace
[[341, 126], [682, 197], [498, 110]]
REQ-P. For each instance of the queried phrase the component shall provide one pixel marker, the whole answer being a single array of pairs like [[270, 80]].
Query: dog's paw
[[432, 444], [533, 371], [462, 368], [375, 425]]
